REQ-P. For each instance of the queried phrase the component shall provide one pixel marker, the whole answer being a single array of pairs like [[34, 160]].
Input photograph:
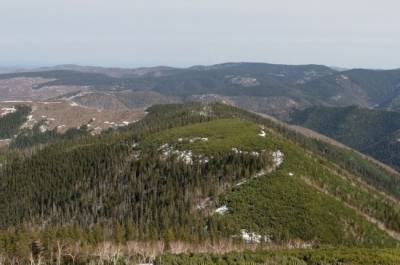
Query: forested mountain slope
[[361, 87], [11, 119], [268, 88], [195, 173], [373, 132]]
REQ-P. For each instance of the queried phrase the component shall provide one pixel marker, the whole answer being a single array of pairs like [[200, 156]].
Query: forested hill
[[11, 119], [373, 132], [197, 174]]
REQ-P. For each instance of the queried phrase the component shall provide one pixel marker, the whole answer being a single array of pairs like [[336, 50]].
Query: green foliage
[[10, 123], [355, 87], [31, 137], [282, 207], [373, 132], [119, 186], [221, 136], [99, 179], [340, 256]]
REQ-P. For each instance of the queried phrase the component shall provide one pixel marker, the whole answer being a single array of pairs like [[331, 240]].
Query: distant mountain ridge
[[230, 81], [269, 88]]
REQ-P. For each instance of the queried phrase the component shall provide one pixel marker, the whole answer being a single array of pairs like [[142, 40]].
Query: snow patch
[[42, 128], [29, 123], [241, 183], [245, 81], [109, 122], [277, 158], [6, 111], [253, 153], [251, 237], [222, 210], [262, 133], [185, 156], [193, 139], [73, 104], [204, 161]]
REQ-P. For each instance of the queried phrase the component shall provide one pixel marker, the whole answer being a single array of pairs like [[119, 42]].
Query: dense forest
[[290, 257], [196, 174], [372, 132], [11, 123], [29, 137]]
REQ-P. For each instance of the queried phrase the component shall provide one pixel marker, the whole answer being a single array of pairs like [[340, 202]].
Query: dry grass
[[65, 114]]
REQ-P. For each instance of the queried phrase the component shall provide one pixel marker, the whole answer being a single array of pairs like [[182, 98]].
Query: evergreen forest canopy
[[372, 132], [11, 122], [195, 174]]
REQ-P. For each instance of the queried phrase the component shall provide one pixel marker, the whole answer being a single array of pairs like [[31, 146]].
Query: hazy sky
[[349, 33]]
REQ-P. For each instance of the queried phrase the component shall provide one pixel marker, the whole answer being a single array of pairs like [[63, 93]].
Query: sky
[[134, 33]]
